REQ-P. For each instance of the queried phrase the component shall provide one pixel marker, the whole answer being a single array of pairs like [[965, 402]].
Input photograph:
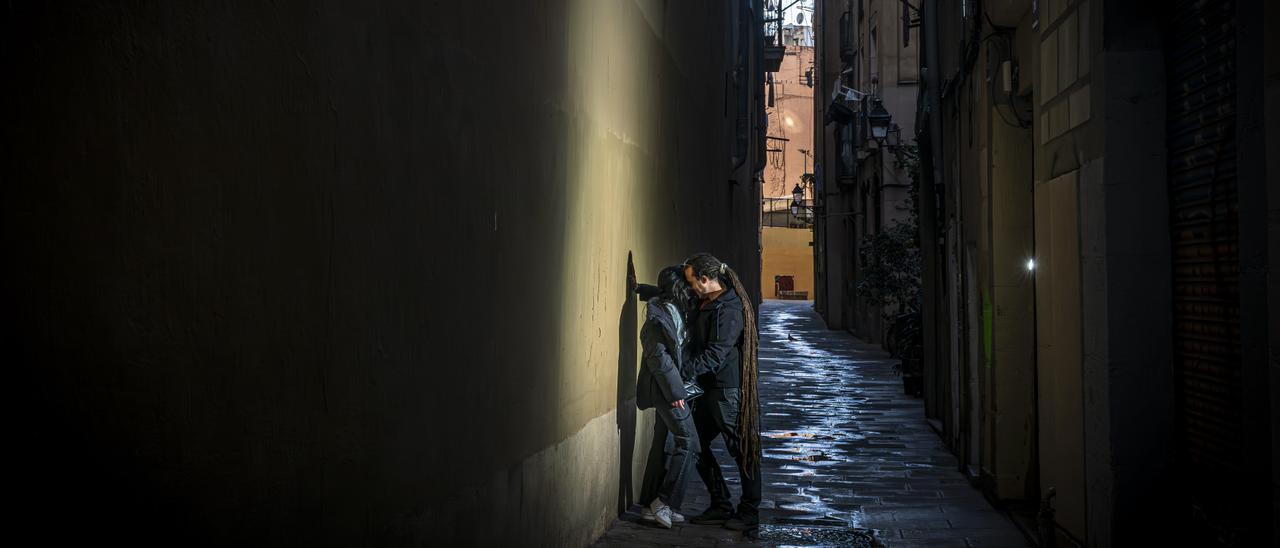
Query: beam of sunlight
[[608, 58]]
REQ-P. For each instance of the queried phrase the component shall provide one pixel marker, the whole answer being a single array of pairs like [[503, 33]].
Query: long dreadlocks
[[704, 264]]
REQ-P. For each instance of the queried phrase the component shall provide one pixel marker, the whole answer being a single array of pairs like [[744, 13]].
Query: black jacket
[[646, 292], [659, 380], [715, 335]]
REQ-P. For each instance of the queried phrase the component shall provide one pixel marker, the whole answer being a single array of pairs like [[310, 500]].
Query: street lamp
[[879, 119], [894, 138], [797, 200]]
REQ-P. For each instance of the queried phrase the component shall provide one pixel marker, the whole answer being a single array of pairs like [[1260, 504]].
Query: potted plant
[[889, 279]]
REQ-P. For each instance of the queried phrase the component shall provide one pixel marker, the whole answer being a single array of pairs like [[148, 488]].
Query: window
[[844, 142]]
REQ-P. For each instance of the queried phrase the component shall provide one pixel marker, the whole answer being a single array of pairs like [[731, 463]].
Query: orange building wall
[[787, 252], [791, 118]]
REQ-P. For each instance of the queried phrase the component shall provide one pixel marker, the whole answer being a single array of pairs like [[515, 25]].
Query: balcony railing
[[776, 212], [774, 49]]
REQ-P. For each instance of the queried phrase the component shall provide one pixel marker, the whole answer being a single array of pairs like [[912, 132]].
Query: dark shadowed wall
[[343, 273]]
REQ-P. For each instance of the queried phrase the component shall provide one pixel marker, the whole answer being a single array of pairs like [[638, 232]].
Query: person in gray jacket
[[660, 385]]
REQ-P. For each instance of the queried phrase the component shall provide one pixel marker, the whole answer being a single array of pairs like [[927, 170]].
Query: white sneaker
[[647, 515], [661, 513]]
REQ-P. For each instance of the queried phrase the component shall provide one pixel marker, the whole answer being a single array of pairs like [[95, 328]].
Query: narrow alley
[[846, 455], [403, 273]]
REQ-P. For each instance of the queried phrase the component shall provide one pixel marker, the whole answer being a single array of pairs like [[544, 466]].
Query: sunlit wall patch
[[610, 65]]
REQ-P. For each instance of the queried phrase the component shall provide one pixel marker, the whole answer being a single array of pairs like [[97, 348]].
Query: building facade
[[786, 232], [1099, 236], [868, 70]]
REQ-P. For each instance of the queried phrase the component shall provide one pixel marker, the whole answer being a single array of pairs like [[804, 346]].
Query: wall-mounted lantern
[[879, 119], [894, 138]]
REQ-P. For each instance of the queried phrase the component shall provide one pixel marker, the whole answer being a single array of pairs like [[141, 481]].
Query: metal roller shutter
[[1201, 144]]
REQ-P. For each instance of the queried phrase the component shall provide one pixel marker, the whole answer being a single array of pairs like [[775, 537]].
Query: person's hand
[[678, 404]]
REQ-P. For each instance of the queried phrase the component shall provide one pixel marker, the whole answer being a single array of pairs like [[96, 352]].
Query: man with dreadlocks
[[724, 362]]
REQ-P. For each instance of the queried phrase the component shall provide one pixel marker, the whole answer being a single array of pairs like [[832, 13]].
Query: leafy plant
[[889, 260], [889, 266]]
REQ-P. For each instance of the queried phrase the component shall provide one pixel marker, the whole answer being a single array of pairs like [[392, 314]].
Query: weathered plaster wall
[[1010, 315], [887, 69], [834, 230], [787, 252], [343, 274], [1104, 409], [1058, 349]]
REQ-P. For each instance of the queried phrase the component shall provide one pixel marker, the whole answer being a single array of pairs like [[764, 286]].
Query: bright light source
[[1031, 265]]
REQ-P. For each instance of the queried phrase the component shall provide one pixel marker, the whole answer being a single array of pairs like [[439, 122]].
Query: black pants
[[715, 414], [666, 472]]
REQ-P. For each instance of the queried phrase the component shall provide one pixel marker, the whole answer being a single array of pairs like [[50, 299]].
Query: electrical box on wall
[[1003, 80], [1006, 77], [1002, 77]]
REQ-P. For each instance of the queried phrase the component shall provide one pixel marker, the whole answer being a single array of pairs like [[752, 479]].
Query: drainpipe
[[740, 81], [931, 178]]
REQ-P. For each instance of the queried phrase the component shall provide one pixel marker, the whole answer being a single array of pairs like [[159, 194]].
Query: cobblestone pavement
[[844, 450]]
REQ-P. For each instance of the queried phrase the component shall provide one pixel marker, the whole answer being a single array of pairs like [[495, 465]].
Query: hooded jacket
[[660, 380], [715, 342]]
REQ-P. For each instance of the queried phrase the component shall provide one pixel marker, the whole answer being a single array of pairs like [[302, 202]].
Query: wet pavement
[[846, 455]]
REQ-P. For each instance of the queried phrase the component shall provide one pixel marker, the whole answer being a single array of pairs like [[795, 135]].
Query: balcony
[[778, 213], [773, 54], [774, 48]]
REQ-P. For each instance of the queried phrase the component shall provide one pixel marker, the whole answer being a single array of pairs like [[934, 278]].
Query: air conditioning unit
[[845, 93]]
